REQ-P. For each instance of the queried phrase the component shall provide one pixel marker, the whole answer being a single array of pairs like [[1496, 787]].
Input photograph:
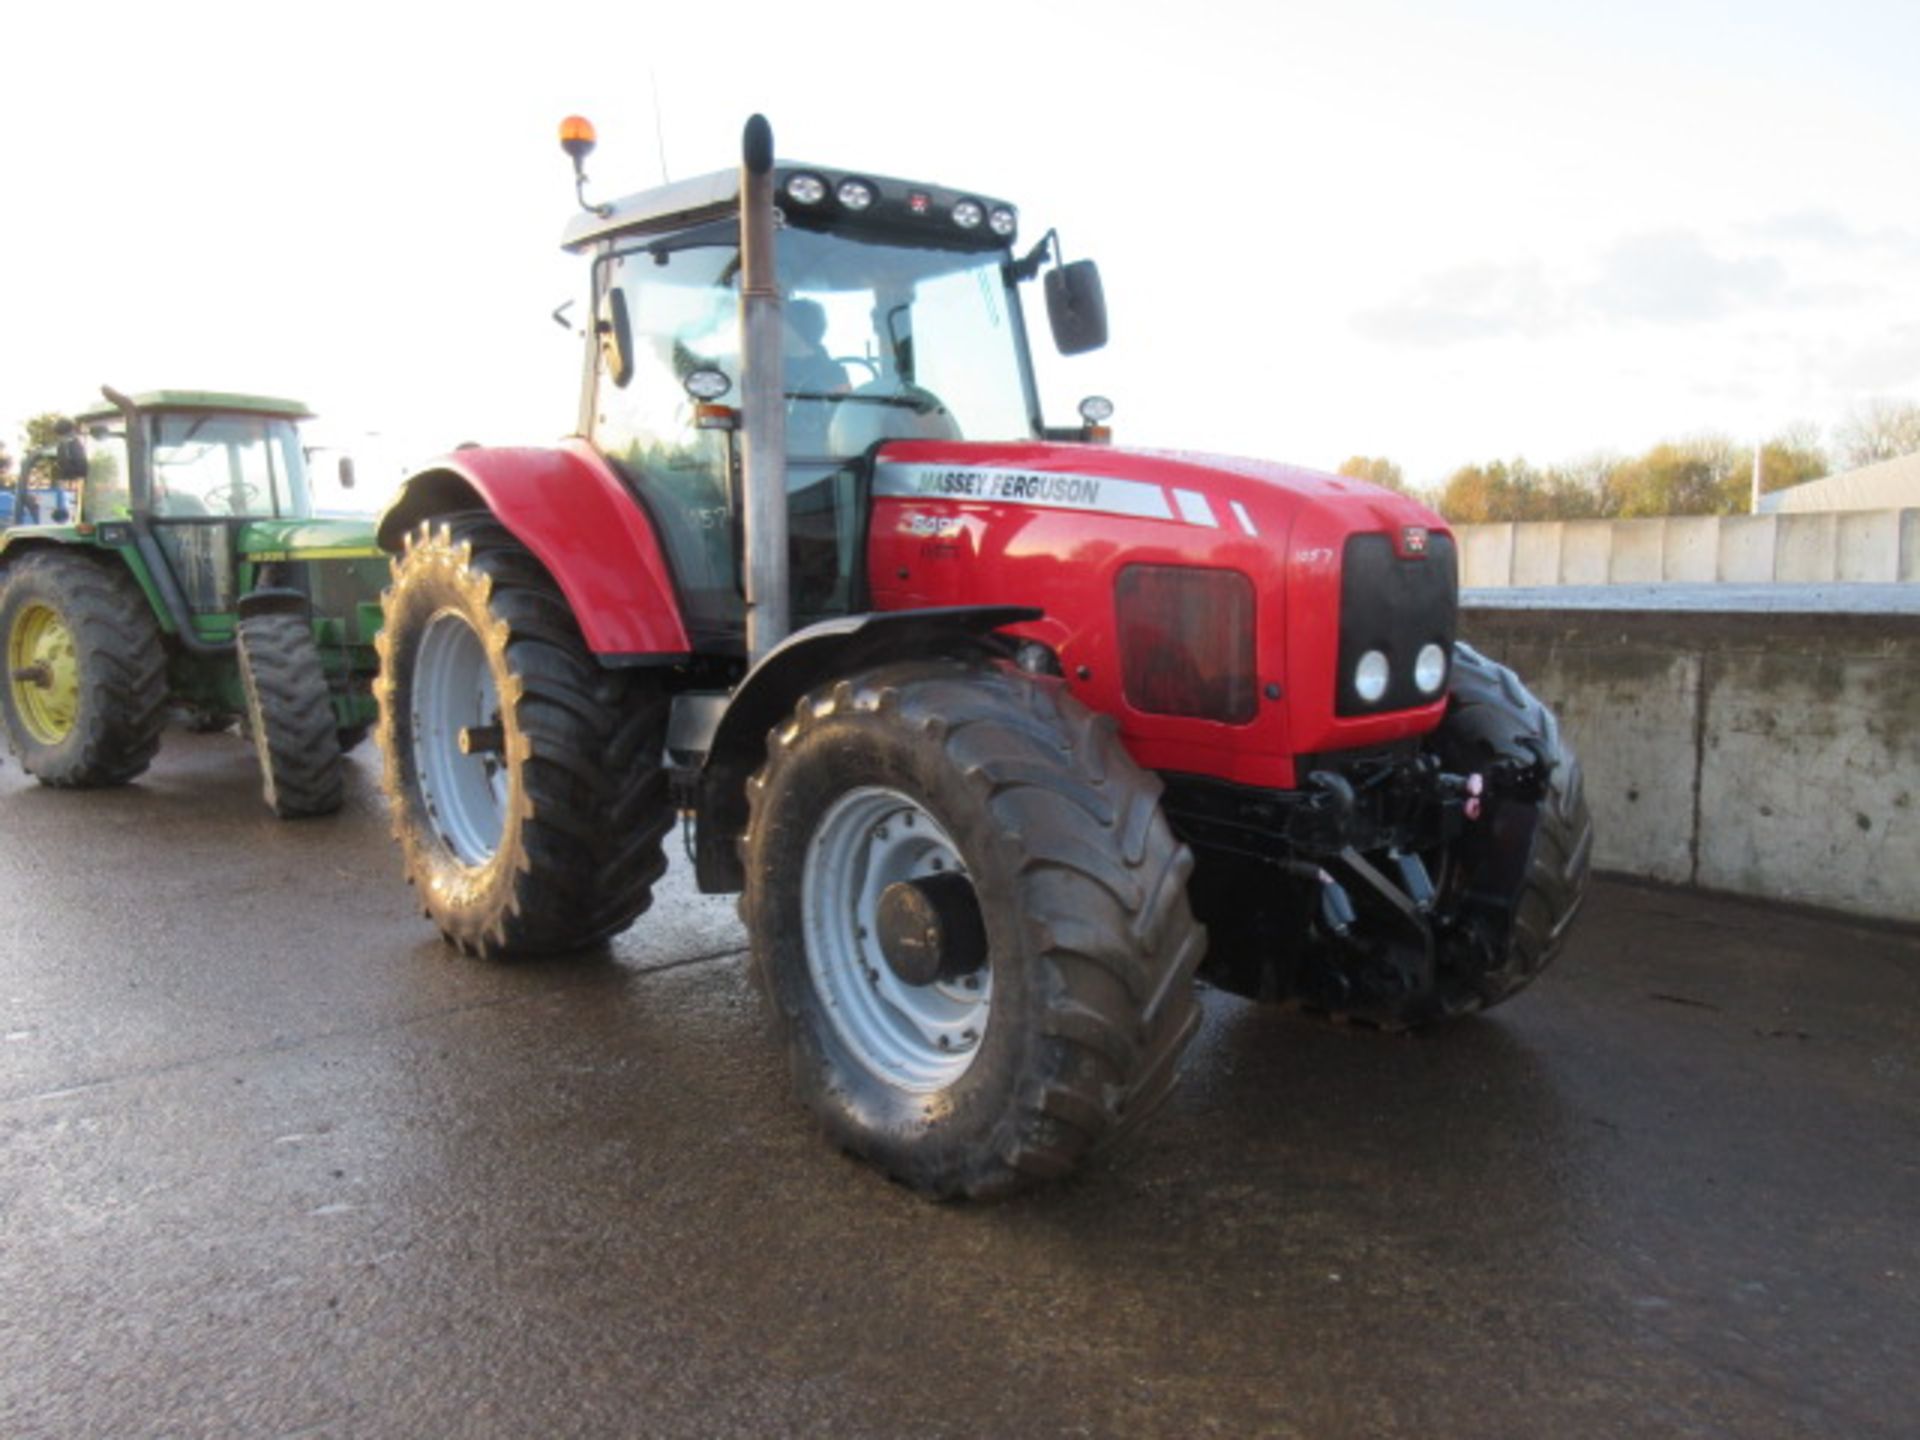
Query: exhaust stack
[[763, 404]]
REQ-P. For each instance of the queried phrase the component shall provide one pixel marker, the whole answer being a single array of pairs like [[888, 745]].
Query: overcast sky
[[1438, 232]]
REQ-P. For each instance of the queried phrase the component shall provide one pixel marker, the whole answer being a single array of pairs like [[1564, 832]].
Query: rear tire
[[1084, 998], [544, 833], [290, 717], [84, 687]]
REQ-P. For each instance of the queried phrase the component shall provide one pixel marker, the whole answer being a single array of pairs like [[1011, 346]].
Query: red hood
[[1053, 525], [1271, 495]]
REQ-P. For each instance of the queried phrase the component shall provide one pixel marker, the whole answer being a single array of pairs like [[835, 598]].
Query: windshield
[[882, 341], [889, 341], [214, 464]]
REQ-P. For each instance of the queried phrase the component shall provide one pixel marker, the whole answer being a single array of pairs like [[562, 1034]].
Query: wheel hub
[[896, 946], [930, 929], [459, 739], [44, 672]]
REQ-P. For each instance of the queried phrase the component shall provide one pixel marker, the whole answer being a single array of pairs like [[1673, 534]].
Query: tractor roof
[[202, 400], [905, 206]]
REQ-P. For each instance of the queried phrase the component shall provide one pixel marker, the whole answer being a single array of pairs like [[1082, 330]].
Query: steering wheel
[[227, 496], [869, 366]]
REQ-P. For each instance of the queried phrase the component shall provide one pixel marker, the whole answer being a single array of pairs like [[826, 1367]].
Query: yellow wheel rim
[[43, 674]]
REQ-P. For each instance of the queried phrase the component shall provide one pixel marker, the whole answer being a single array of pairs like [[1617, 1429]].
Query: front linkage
[[1403, 886]]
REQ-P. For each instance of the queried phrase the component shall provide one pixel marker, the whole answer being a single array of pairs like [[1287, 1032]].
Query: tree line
[[1701, 475]]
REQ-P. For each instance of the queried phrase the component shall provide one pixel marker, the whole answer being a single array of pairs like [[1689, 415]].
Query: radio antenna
[[659, 130]]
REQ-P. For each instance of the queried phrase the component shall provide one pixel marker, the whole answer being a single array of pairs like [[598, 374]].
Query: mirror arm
[[1024, 269]]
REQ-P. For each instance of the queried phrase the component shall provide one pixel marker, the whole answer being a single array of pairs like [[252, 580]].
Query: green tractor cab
[[187, 575]]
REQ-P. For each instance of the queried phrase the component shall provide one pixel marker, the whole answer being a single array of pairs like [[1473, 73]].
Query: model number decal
[[939, 527], [1316, 555]]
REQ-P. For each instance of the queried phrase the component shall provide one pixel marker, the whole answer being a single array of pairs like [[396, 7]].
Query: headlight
[[1430, 669], [806, 189], [968, 214], [1003, 221], [1370, 677], [855, 194]]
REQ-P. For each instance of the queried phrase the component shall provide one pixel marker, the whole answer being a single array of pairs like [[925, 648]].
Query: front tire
[[524, 779], [1050, 1016], [290, 717], [1494, 719], [84, 689]]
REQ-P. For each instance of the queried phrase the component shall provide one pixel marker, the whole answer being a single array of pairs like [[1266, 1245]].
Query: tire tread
[[1101, 880], [593, 808]]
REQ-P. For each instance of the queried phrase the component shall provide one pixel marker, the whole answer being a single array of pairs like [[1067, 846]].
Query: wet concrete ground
[[274, 1163]]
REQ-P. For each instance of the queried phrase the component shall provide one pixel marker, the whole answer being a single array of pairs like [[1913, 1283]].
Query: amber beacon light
[[577, 137]]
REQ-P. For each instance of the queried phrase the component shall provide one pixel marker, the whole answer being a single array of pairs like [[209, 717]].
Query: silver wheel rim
[[919, 1038], [465, 796]]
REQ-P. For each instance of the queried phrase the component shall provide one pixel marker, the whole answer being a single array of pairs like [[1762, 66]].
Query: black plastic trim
[[1394, 604]]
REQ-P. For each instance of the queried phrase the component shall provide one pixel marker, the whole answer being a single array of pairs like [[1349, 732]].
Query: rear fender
[[570, 509], [802, 662], [17, 545]]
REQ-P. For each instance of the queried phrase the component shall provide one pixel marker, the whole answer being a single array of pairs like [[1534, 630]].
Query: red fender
[[575, 514]]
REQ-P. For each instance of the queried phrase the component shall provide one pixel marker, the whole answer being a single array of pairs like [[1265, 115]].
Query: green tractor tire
[[290, 716], [85, 689]]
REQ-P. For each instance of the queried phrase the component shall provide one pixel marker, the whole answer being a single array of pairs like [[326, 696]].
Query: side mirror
[[1076, 307], [616, 337], [70, 458], [346, 472]]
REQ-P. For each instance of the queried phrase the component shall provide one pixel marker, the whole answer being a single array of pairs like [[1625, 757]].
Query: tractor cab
[[209, 476], [898, 318]]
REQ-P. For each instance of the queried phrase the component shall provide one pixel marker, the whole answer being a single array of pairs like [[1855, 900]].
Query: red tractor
[[1003, 734]]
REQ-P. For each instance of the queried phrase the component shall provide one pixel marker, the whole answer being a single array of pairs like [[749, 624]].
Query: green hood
[[341, 539]]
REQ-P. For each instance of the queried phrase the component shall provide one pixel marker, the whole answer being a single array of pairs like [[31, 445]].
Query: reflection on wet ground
[[273, 1162]]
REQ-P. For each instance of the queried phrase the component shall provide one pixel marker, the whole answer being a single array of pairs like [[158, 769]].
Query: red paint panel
[[1283, 528], [571, 510]]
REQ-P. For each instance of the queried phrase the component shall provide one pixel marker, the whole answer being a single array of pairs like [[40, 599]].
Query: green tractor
[[191, 578]]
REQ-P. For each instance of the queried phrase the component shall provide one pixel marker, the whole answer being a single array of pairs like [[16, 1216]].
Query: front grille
[[1394, 605], [1186, 641]]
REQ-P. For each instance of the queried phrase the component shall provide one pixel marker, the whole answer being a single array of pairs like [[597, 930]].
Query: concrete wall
[[1815, 548], [1773, 755]]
